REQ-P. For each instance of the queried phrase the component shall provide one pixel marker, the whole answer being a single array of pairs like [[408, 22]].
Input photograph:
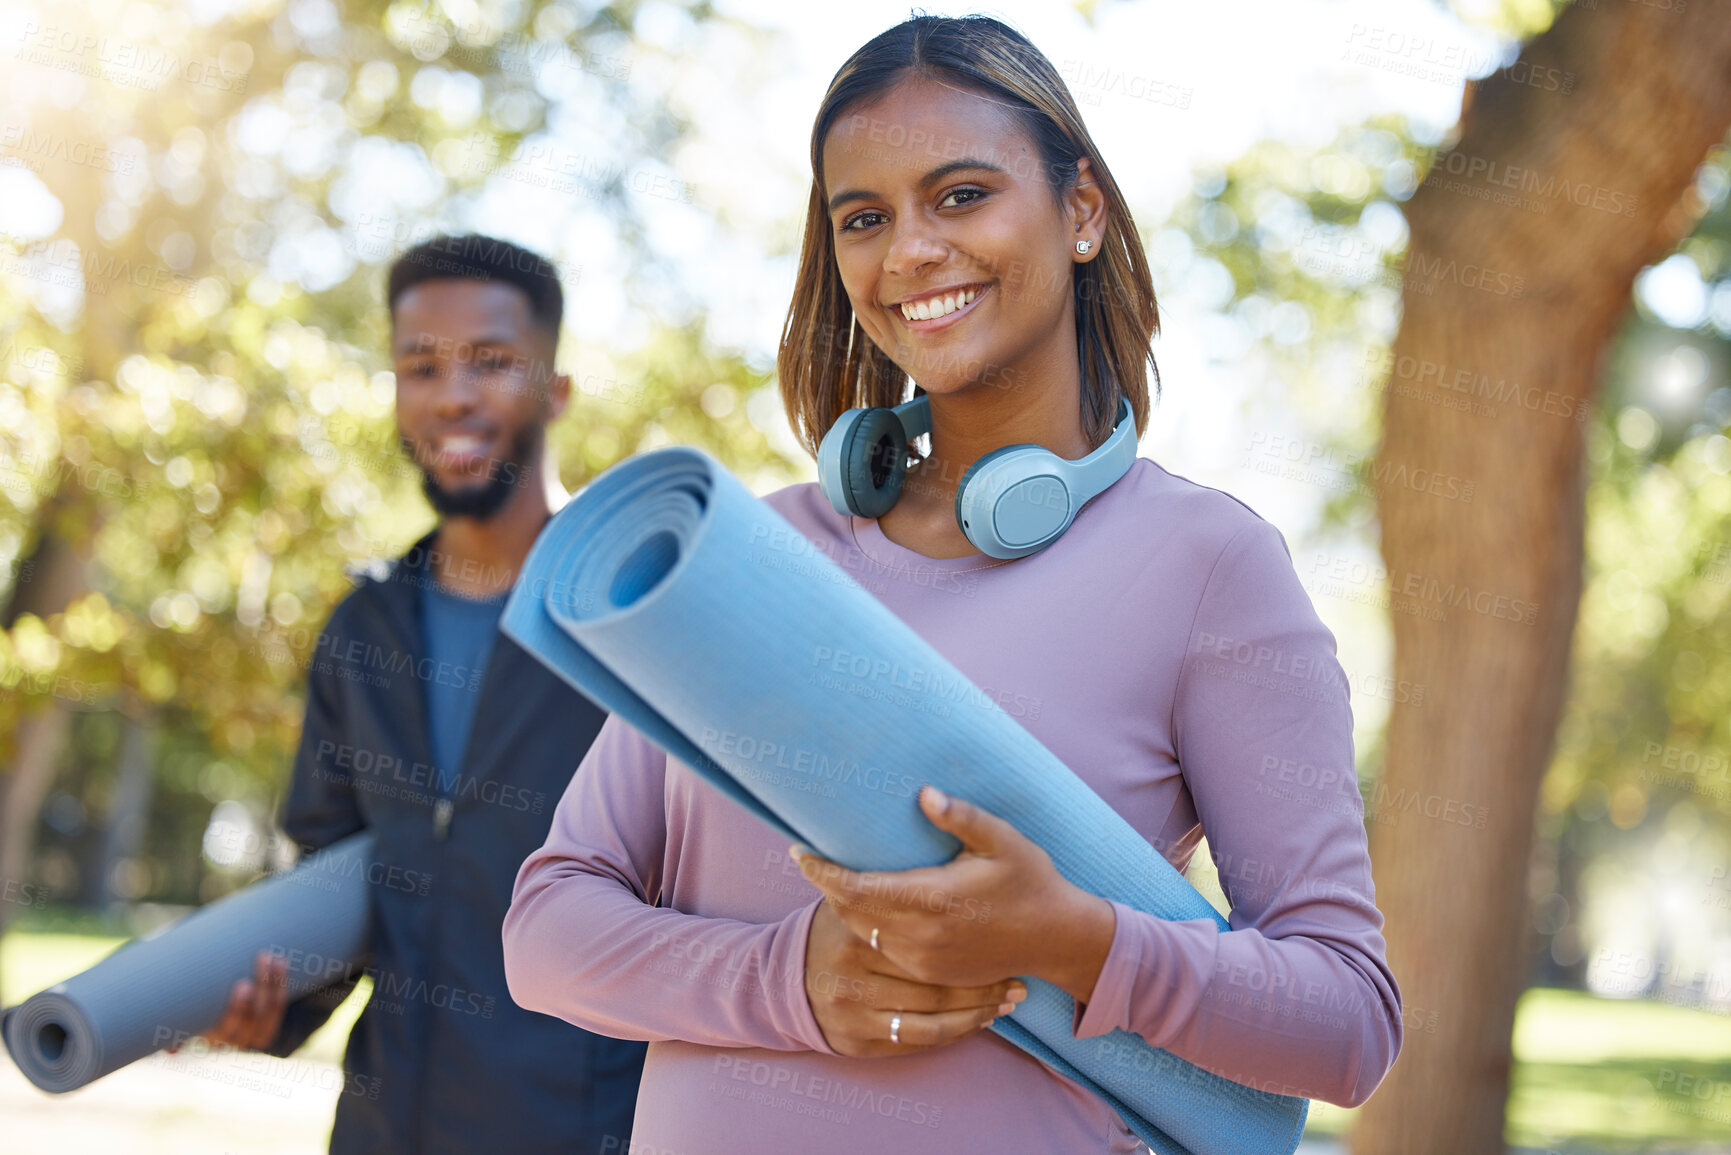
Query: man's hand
[[255, 1007]]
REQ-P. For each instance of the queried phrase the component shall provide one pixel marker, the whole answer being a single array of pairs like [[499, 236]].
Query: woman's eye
[[864, 220], [967, 195]]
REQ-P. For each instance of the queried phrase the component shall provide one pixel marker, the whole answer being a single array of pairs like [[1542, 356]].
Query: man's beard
[[481, 502]]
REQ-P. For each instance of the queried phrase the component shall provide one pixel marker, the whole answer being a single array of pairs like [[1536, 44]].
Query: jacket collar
[[400, 585], [512, 674]]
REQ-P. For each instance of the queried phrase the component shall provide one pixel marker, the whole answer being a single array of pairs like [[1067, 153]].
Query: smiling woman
[[975, 142], [966, 243], [964, 230]]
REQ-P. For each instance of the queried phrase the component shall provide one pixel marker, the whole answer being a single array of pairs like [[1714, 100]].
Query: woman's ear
[[1085, 204]]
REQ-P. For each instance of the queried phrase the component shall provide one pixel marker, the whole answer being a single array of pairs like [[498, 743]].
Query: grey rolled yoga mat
[[176, 982], [671, 596]]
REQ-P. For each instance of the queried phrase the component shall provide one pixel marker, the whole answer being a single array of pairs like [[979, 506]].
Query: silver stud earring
[[1083, 247]]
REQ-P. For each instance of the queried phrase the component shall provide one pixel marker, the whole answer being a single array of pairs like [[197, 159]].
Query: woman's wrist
[[1077, 947]]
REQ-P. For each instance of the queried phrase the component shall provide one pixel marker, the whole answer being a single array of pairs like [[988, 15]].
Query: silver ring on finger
[[896, 1029], [874, 938]]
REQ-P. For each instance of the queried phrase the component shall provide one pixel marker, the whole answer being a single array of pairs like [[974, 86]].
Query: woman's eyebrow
[[931, 178]]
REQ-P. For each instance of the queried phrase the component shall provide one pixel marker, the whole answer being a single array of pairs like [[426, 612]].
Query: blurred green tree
[[199, 439]]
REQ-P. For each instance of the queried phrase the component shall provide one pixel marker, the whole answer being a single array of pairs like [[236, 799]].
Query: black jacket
[[441, 1060]]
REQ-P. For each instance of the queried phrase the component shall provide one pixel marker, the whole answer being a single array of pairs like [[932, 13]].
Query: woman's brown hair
[[827, 364]]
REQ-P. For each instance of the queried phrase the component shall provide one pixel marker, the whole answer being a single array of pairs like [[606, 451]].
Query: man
[[449, 742]]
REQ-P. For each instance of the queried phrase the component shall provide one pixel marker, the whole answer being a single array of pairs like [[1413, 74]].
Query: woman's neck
[[966, 425]]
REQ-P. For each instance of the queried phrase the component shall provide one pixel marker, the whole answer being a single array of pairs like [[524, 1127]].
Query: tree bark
[[1572, 171], [129, 807], [39, 740], [56, 575]]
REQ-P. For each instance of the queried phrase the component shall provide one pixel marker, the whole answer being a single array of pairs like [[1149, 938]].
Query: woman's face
[[955, 255]]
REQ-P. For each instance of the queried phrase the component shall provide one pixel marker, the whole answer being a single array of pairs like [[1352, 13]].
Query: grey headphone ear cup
[[962, 487], [874, 459], [1028, 496]]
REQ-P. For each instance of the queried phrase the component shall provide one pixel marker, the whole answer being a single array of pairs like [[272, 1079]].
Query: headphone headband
[[1012, 502], [915, 416]]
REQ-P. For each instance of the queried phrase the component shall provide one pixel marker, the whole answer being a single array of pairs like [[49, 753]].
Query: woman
[[963, 232]]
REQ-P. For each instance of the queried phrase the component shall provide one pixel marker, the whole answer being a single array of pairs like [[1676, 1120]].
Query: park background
[[1393, 242]]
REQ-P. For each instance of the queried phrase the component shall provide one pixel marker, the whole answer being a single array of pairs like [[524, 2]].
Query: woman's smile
[[933, 311]]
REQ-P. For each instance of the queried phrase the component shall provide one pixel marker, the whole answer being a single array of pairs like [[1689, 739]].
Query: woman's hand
[[860, 998], [999, 908]]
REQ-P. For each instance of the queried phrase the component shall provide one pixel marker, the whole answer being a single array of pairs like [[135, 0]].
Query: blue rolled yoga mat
[[176, 982], [675, 599]]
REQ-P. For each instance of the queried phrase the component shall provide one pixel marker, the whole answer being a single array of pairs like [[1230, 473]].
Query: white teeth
[[938, 306]]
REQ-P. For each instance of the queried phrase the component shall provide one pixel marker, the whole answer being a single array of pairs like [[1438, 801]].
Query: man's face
[[475, 390]]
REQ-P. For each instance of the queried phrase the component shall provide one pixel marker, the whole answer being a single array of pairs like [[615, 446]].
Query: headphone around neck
[[1012, 502]]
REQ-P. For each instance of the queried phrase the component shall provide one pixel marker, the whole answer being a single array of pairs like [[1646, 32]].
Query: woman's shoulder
[[807, 509], [1172, 511]]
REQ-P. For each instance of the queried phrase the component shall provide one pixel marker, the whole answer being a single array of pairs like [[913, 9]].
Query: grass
[[1607, 1074], [1618, 1073]]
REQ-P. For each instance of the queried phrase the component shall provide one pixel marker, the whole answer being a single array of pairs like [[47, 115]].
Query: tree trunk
[[56, 575], [1572, 171], [38, 741], [129, 808]]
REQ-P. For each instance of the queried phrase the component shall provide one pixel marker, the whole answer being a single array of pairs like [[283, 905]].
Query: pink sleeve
[[586, 941], [1297, 997]]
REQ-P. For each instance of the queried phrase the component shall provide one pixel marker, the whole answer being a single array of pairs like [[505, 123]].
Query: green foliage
[[219, 441], [1307, 247], [1655, 625]]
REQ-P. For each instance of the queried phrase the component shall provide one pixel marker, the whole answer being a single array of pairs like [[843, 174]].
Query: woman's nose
[[912, 247]]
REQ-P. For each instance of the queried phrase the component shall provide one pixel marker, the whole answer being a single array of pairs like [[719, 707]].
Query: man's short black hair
[[476, 258]]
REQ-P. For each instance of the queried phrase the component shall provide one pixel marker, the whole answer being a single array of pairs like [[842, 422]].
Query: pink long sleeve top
[[1165, 651]]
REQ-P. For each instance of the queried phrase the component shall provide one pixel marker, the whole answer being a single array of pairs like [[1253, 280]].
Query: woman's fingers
[[924, 998], [856, 994], [914, 1031], [934, 1030]]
